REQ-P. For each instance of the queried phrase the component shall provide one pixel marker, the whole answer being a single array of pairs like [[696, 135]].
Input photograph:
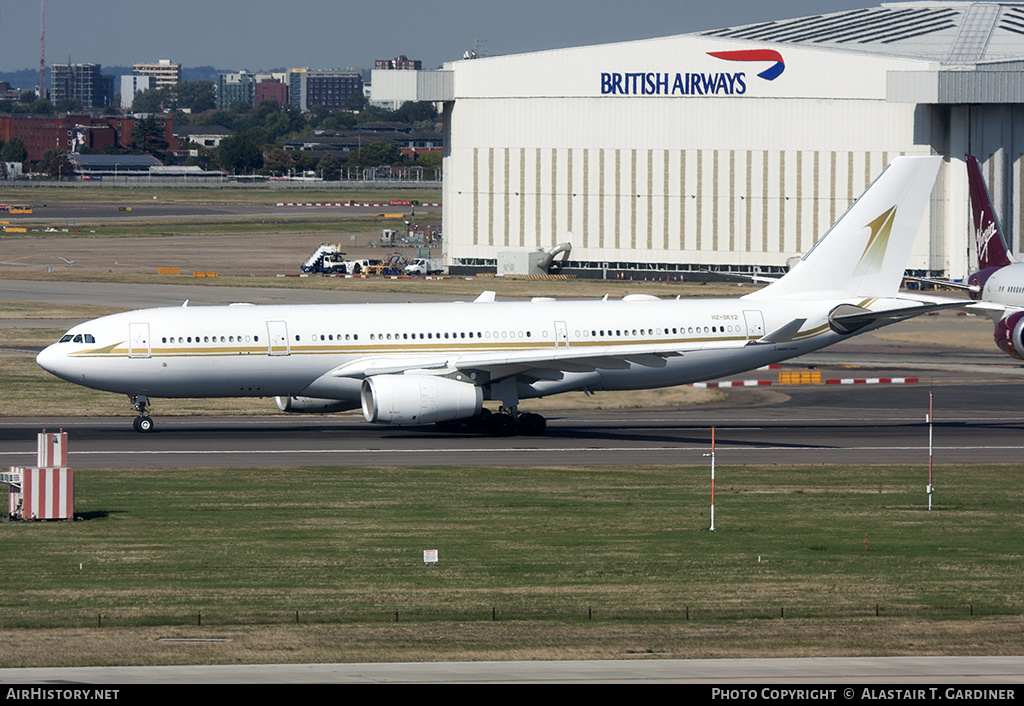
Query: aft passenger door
[[277, 335], [561, 335], [755, 324], [138, 340]]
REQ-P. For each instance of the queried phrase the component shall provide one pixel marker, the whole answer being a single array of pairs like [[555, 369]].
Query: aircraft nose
[[50, 359]]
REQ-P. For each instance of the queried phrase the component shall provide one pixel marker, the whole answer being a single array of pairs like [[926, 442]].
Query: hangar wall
[[731, 205], [648, 152]]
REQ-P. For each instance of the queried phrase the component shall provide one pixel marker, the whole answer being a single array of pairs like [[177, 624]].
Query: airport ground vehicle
[[425, 266], [329, 259]]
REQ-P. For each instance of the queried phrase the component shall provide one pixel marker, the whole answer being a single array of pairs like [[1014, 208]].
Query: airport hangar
[[731, 149]]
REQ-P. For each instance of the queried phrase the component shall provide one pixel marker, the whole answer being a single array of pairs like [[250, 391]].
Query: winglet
[[988, 238]]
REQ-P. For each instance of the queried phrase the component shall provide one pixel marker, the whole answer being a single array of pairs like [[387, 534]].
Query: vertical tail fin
[[988, 238], [865, 253]]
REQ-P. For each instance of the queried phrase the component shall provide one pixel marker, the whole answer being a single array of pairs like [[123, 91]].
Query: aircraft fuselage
[[325, 351]]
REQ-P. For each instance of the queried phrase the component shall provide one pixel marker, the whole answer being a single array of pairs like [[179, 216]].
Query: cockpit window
[[77, 338]]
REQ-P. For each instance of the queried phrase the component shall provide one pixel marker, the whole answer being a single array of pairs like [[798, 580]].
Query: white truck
[[425, 266]]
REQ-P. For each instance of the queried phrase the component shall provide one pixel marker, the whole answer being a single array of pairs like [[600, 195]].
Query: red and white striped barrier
[[44, 493], [52, 449], [869, 381], [733, 383]]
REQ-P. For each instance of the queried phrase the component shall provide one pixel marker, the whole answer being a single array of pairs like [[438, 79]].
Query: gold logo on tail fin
[[874, 252]]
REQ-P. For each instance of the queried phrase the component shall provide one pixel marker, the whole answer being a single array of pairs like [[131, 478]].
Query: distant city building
[[241, 87], [276, 91], [96, 166], [163, 73], [327, 88], [82, 81], [399, 63], [9, 92], [342, 144], [389, 88], [73, 132], [130, 85], [203, 135]]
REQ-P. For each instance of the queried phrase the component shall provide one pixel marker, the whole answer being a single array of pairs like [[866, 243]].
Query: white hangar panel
[[744, 207], [666, 123], [658, 67], [635, 180]]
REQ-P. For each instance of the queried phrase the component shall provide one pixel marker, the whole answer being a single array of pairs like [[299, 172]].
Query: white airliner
[[436, 363]]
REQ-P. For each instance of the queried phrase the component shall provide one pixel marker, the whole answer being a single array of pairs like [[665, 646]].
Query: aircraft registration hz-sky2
[[423, 363]]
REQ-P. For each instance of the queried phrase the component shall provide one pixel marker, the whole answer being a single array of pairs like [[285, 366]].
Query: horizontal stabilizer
[[945, 283], [758, 279], [847, 318]]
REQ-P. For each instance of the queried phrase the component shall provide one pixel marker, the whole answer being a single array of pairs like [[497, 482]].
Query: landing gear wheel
[[482, 421], [143, 424], [531, 424], [501, 425]]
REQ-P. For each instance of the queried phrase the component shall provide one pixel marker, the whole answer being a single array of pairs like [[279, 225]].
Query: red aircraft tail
[[988, 240]]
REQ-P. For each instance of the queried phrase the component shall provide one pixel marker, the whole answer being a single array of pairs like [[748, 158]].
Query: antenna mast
[[42, 49]]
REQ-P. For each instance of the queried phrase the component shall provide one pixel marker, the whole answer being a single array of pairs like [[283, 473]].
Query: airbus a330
[[423, 363]]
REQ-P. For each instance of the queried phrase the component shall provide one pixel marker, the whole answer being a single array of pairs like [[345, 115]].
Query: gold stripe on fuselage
[[189, 352]]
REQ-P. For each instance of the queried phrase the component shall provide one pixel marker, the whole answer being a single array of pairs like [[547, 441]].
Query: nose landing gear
[[143, 423]]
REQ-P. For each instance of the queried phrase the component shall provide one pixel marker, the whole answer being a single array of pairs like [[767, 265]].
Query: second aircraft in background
[[998, 285]]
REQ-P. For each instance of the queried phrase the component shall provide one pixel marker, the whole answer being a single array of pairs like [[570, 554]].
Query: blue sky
[[260, 34]]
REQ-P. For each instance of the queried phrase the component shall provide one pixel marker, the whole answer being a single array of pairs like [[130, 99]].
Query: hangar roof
[[952, 33]]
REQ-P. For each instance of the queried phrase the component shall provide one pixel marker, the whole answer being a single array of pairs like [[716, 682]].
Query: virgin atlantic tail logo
[[769, 74]]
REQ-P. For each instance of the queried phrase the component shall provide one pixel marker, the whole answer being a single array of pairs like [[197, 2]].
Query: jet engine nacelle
[[418, 399], [1008, 335], [311, 405]]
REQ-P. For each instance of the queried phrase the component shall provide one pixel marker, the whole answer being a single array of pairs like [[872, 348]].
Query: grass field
[[278, 561]]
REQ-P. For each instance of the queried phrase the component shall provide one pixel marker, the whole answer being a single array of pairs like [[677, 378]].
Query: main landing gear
[[504, 422], [143, 423]]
